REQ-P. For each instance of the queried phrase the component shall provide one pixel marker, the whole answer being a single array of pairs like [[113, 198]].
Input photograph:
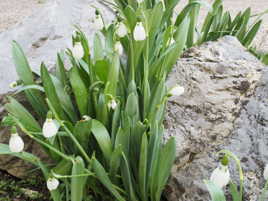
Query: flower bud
[[119, 48], [78, 50], [16, 143], [112, 104], [139, 32], [50, 127], [176, 91], [220, 176], [52, 184], [97, 22], [121, 30], [14, 84], [140, 1]]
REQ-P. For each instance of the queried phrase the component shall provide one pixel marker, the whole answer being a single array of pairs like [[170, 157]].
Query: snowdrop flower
[[220, 176], [86, 118], [112, 104], [97, 22], [52, 184], [78, 50], [176, 91], [121, 30], [265, 173], [14, 84], [50, 127], [118, 48], [140, 1], [139, 32], [16, 143], [172, 41]]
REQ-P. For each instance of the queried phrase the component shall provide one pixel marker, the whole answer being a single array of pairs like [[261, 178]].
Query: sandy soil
[[14, 11]]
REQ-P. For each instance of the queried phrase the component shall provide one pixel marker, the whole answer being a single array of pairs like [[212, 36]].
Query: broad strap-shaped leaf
[[51, 92], [80, 91], [19, 112], [143, 167], [103, 138], [101, 174], [78, 183], [25, 74]]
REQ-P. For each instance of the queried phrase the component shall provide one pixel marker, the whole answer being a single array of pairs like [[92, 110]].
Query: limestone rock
[[220, 79]]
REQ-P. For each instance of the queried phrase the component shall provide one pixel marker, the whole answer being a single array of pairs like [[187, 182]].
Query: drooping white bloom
[[16, 143], [50, 127], [118, 48], [172, 41], [140, 1], [78, 50], [14, 84], [112, 104], [139, 32], [86, 118], [265, 172], [121, 30], [52, 184], [176, 91], [98, 23], [220, 176]]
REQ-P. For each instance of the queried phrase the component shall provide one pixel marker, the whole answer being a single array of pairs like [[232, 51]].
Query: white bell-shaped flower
[[112, 104], [220, 176], [140, 1], [172, 41], [14, 84], [78, 50], [16, 143], [176, 91], [265, 172], [50, 127], [119, 48], [139, 32], [98, 22], [121, 30], [52, 184]]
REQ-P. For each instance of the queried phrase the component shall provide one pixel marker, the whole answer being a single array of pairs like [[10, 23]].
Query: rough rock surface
[[47, 32], [221, 109]]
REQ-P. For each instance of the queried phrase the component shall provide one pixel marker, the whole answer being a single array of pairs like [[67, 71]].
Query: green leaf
[[113, 76], [24, 72], [234, 192], [98, 49], [251, 34], [101, 174], [101, 69], [19, 112], [80, 91], [166, 160], [103, 138], [78, 183], [143, 167], [215, 192], [51, 92], [60, 70]]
